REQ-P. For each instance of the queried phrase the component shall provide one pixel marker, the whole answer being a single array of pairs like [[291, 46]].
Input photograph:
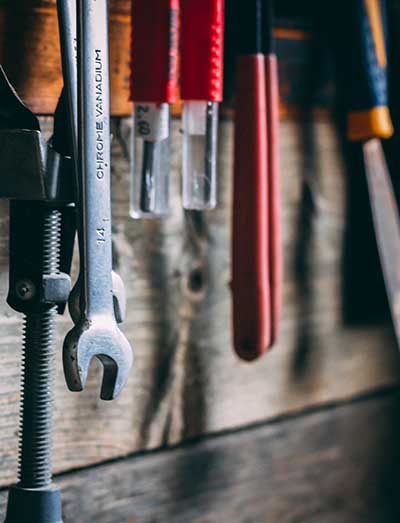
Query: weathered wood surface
[[340, 465], [187, 381]]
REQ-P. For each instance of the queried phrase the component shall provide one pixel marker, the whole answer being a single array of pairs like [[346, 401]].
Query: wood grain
[[336, 466], [186, 381], [30, 53]]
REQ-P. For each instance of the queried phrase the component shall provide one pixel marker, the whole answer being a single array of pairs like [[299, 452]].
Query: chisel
[[369, 121], [155, 40], [202, 29]]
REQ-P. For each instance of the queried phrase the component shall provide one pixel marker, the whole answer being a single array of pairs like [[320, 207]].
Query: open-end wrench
[[96, 333], [68, 40]]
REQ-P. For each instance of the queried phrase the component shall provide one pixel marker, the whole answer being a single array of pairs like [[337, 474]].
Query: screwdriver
[[202, 29], [369, 122], [154, 50], [251, 286]]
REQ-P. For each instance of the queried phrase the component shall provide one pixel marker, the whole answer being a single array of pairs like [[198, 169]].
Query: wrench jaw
[[102, 339]]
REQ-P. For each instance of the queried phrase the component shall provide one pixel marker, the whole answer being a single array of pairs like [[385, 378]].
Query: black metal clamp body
[[37, 177]]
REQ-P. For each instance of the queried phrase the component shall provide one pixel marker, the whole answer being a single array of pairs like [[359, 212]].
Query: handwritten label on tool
[[101, 235], [152, 122]]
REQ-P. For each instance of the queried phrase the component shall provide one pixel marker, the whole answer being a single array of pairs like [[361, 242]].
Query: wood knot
[[196, 283], [196, 280]]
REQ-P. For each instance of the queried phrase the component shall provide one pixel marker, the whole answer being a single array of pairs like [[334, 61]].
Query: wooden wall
[[187, 382], [30, 52], [307, 434]]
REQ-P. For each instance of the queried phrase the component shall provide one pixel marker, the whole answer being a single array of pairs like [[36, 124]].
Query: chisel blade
[[386, 223]]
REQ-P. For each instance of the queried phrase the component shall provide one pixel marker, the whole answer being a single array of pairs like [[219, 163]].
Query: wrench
[[68, 39], [96, 334]]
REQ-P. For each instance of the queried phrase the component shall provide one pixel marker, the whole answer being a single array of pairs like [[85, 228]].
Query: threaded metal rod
[[37, 381], [36, 401]]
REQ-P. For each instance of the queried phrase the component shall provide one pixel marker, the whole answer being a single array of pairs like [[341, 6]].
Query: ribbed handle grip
[[202, 49], [154, 50]]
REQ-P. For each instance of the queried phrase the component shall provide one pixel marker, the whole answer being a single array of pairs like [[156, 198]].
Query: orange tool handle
[[250, 233], [365, 31]]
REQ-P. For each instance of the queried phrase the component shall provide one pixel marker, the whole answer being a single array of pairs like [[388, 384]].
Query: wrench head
[[119, 299], [100, 338]]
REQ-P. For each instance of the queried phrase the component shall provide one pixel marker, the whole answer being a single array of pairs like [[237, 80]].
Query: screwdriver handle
[[250, 232], [366, 72], [275, 235], [202, 49], [154, 51]]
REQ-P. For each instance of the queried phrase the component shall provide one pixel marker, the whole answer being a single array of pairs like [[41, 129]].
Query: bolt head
[[25, 290]]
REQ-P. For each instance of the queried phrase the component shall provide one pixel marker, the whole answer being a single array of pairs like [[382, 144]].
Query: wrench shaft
[[94, 154], [66, 10]]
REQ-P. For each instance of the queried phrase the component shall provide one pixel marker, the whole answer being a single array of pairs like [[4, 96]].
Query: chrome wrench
[[68, 39], [96, 334]]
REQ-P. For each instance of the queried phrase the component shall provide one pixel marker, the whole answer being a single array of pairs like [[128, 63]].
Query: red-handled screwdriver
[[202, 26], [155, 41], [251, 285]]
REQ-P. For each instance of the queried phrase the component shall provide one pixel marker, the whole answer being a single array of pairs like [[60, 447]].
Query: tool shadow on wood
[[316, 92]]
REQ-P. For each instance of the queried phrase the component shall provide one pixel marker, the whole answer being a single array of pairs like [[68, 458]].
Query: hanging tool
[[96, 333], [155, 37], [37, 178], [250, 234], [68, 39], [256, 249], [202, 29], [369, 121]]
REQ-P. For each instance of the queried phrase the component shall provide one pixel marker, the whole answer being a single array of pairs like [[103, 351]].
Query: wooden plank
[[337, 465], [187, 381], [30, 53]]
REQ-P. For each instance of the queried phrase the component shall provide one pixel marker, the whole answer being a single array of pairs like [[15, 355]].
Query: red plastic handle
[[250, 234], [202, 49], [154, 50], [275, 239]]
